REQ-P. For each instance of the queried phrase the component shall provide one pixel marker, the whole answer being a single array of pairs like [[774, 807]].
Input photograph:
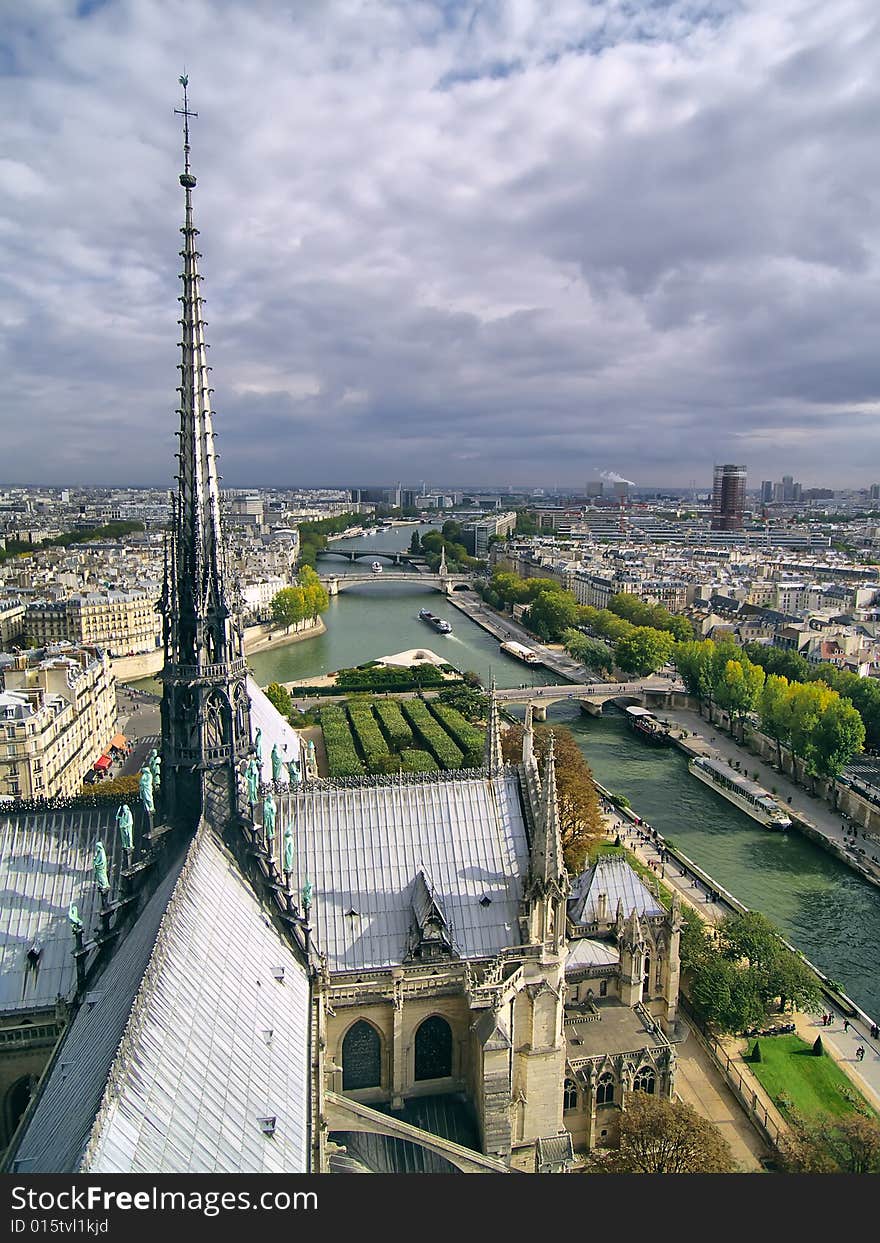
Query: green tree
[[415, 543], [660, 1136], [289, 606], [774, 711], [791, 981], [838, 736], [592, 653], [643, 651], [451, 531], [806, 704], [279, 697], [551, 612], [750, 936], [695, 664]]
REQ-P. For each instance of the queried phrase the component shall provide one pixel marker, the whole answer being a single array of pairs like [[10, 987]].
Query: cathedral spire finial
[[187, 180]]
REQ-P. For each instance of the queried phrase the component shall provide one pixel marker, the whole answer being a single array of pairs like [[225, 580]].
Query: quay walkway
[[827, 826]]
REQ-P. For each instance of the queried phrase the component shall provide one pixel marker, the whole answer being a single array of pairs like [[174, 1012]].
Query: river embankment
[[256, 639]]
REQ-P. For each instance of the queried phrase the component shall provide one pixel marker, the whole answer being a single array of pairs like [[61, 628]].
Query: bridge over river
[[592, 696]]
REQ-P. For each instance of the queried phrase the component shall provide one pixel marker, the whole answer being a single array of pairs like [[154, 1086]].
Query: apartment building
[[57, 714], [121, 621]]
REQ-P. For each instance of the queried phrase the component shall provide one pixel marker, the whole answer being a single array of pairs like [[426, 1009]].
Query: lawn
[[796, 1080]]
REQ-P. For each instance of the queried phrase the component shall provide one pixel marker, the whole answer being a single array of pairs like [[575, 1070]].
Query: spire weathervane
[[186, 179]]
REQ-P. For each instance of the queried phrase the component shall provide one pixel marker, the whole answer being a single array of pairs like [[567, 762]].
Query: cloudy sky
[[501, 242]]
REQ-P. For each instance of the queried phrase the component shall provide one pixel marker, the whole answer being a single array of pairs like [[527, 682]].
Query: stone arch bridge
[[447, 583], [651, 692]]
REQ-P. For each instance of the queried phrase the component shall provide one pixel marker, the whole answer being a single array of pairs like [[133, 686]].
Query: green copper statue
[[307, 895], [155, 766], [100, 868], [269, 818], [145, 789], [125, 821], [73, 915], [258, 748], [288, 849], [293, 772], [252, 780], [277, 764]]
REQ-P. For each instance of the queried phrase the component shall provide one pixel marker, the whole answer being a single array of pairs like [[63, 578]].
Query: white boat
[[376, 567], [521, 652], [747, 795]]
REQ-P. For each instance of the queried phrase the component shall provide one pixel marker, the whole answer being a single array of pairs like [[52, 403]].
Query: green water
[[822, 907]]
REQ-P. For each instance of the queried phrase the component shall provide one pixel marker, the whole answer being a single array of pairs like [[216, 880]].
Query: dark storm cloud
[[453, 241]]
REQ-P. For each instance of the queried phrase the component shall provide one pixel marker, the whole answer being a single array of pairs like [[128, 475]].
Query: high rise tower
[[728, 498], [205, 705]]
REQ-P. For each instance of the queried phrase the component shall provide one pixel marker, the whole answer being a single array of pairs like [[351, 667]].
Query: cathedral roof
[[186, 1059], [45, 865], [586, 952], [274, 728], [612, 876], [363, 845]]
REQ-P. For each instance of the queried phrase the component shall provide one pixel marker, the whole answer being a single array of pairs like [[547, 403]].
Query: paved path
[[700, 1084], [503, 628]]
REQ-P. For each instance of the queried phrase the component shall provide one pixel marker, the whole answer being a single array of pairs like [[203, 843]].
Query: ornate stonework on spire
[[547, 871], [205, 706], [494, 756]]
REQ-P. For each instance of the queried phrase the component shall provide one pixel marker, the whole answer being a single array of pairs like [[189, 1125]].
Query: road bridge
[[592, 696], [396, 557], [447, 583]]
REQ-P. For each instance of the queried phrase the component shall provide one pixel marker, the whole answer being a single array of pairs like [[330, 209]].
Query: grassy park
[[801, 1083]]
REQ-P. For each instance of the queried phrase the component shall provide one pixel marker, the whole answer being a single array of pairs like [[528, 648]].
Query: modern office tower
[[766, 491], [728, 498]]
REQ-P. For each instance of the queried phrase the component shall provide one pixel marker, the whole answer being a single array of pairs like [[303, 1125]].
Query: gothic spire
[[528, 743], [205, 709], [493, 757], [547, 866]]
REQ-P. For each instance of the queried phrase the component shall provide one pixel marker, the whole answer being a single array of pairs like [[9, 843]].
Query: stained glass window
[[434, 1049], [361, 1057]]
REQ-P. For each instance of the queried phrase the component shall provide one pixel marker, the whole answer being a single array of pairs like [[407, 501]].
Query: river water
[[820, 905]]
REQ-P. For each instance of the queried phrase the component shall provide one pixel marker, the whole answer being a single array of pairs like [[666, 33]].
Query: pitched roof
[[275, 729], [188, 1052], [45, 864], [612, 876], [363, 846]]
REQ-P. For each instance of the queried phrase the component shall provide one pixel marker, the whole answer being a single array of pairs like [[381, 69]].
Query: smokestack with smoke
[[611, 476]]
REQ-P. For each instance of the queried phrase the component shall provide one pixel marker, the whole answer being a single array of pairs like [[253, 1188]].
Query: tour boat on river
[[521, 652], [751, 798], [646, 725], [441, 626], [376, 567]]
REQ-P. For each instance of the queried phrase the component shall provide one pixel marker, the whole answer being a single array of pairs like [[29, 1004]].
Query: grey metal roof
[[589, 953], [192, 1044], [611, 875], [45, 864], [363, 846], [216, 1043], [59, 1129], [266, 717]]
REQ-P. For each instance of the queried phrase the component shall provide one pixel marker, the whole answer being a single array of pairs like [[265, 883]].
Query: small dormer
[[430, 936]]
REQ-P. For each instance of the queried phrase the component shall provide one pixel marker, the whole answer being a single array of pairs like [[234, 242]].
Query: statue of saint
[[293, 772], [100, 868], [288, 849], [258, 747], [307, 895], [155, 766], [269, 818], [277, 764], [73, 915], [125, 821], [145, 789], [252, 780]]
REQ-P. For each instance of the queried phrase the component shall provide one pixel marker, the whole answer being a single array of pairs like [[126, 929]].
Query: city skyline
[[466, 238]]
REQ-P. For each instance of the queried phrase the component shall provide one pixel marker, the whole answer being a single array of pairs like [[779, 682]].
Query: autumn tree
[[289, 606], [659, 1136], [773, 711], [580, 816], [739, 689]]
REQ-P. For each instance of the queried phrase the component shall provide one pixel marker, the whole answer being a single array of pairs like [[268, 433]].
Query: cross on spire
[[186, 114]]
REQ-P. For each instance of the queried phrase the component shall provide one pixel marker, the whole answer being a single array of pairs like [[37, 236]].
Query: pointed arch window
[[361, 1057], [645, 1081], [434, 1049], [570, 1096], [605, 1089]]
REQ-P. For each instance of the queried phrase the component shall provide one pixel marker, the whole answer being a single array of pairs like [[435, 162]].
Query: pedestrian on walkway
[[860, 1053], [846, 1025]]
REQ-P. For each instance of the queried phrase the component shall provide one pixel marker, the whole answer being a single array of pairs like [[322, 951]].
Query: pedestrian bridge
[[592, 696], [447, 583]]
